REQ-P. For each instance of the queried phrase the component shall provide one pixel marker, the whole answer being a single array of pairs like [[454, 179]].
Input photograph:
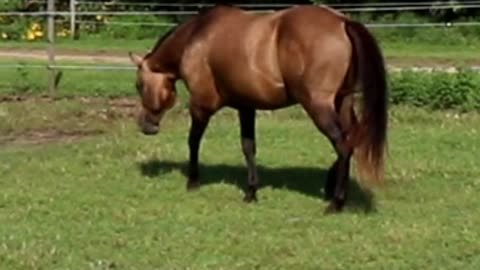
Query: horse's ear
[[136, 59]]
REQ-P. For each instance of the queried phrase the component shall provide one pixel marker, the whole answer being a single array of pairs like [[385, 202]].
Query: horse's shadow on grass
[[305, 180]]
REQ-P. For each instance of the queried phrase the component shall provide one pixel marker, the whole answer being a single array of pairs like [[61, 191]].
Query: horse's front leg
[[247, 129], [199, 122]]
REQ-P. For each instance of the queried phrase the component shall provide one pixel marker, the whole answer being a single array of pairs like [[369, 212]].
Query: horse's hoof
[[333, 208], [193, 185], [250, 198], [329, 192]]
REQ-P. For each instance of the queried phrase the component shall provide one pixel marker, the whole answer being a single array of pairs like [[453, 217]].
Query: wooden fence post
[[72, 18], [51, 44]]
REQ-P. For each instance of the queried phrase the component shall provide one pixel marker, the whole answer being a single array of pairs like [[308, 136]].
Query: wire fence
[[272, 8], [259, 5], [73, 14], [369, 25], [432, 4]]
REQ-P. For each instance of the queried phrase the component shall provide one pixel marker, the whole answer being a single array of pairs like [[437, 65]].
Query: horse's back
[[251, 57]]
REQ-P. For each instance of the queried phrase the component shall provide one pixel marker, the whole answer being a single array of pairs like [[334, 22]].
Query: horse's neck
[[167, 56]]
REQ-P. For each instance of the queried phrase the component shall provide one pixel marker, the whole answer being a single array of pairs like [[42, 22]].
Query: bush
[[436, 90]]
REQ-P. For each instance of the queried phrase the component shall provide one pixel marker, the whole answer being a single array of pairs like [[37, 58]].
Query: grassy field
[[73, 82], [83, 189]]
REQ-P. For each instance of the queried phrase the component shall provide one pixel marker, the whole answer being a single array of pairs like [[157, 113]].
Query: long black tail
[[371, 134]]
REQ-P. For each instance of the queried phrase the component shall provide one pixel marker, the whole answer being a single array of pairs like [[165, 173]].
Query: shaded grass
[[118, 200]]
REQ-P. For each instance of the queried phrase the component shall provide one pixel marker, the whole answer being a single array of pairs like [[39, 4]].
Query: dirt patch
[[103, 107], [120, 101], [72, 55], [69, 51], [112, 108], [47, 136], [437, 63], [66, 119], [121, 57], [22, 98]]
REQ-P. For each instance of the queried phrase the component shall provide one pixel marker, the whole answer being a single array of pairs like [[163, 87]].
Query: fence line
[[140, 4], [371, 25], [129, 23], [408, 25], [433, 4], [405, 8], [139, 13], [419, 3]]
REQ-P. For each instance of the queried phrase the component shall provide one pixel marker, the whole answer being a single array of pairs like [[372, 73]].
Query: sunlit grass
[[118, 200]]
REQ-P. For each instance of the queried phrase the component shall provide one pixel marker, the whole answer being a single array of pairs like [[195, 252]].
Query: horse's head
[[157, 92]]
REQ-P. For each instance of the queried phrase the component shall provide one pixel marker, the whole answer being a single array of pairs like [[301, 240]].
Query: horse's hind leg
[[348, 121], [247, 129], [328, 121]]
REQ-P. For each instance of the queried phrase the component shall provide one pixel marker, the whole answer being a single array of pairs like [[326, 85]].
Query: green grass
[[433, 53], [72, 83], [118, 200]]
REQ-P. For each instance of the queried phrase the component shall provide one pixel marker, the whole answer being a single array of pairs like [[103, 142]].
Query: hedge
[[437, 89]]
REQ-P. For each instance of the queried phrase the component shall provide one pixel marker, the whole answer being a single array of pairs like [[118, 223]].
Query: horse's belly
[[257, 95]]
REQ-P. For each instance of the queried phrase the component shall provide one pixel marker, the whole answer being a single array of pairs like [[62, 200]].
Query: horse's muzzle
[[148, 126], [149, 129]]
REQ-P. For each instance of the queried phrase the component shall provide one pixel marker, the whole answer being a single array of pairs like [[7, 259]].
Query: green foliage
[[437, 90], [10, 5], [21, 80], [17, 28]]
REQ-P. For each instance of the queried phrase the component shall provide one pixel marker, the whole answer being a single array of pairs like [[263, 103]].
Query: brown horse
[[307, 55]]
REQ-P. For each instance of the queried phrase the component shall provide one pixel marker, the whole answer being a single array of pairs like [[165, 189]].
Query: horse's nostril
[[148, 128], [150, 131]]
